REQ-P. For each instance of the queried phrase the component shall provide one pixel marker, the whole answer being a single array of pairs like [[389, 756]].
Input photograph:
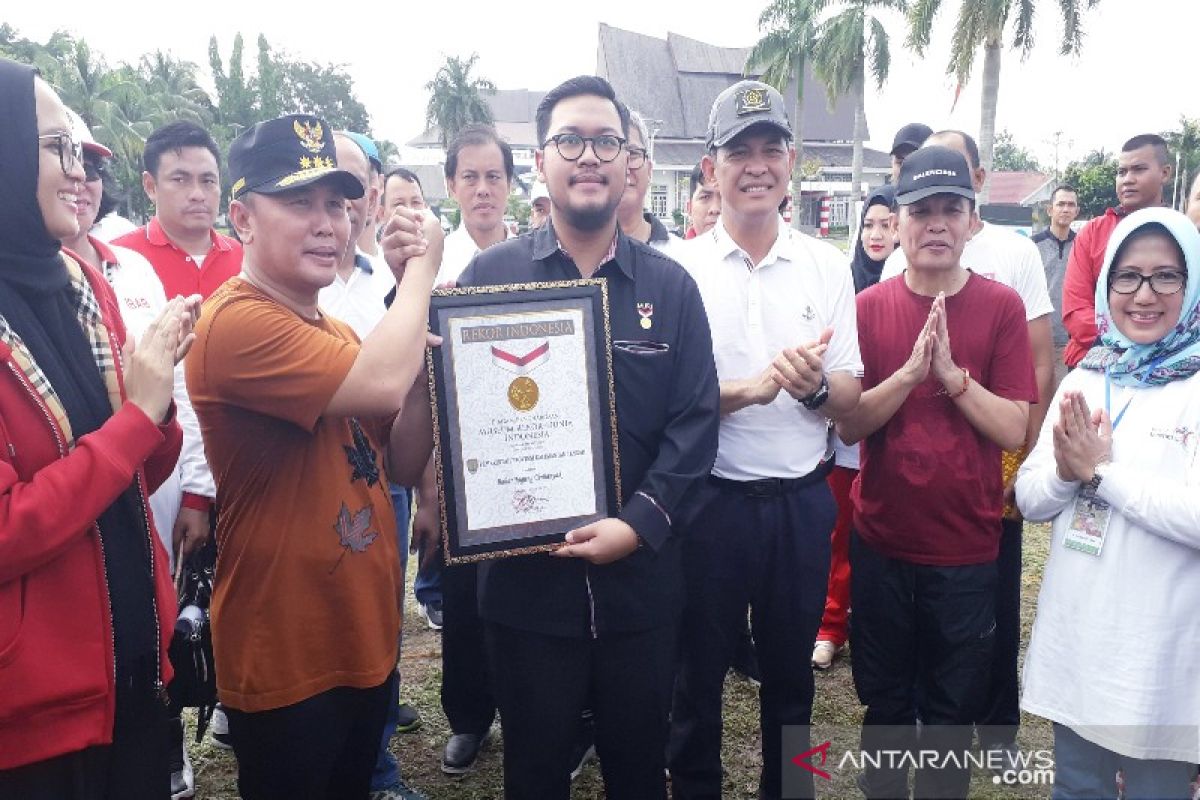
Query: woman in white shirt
[[1114, 660]]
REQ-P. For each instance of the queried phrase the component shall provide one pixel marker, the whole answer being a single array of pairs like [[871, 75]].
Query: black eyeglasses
[[571, 146], [637, 156], [93, 172], [1166, 282], [70, 152]]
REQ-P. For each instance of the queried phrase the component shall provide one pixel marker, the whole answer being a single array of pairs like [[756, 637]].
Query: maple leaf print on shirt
[[354, 531], [361, 456]]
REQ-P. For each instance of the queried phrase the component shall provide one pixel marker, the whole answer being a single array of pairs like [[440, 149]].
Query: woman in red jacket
[[86, 431]]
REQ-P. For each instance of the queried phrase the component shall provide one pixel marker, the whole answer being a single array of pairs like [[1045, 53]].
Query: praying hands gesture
[[1082, 438]]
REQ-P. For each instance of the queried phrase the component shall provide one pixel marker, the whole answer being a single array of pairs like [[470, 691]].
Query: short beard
[[590, 220]]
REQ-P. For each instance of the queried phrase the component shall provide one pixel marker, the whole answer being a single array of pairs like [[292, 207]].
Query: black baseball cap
[[743, 105], [288, 153], [912, 136], [933, 170]]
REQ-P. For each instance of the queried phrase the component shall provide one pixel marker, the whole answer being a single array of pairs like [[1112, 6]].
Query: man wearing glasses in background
[[635, 221], [593, 624]]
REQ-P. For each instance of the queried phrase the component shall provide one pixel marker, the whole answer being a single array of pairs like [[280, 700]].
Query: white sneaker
[[183, 779], [219, 729], [824, 652]]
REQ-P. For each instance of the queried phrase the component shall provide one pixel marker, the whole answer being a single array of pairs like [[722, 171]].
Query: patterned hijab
[[1175, 356]]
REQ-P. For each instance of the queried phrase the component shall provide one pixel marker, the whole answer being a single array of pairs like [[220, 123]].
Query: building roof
[[1015, 188], [513, 111], [672, 82], [433, 181]]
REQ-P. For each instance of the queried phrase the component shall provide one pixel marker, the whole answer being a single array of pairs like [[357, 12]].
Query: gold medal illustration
[[523, 393]]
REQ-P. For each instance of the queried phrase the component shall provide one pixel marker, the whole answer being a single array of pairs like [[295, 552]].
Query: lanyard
[[1108, 392]]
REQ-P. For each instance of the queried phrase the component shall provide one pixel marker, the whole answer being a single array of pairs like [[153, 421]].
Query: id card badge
[[1089, 523]]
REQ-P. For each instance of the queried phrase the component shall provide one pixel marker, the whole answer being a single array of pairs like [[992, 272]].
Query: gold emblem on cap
[[753, 101], [523, 393], [311, 135]]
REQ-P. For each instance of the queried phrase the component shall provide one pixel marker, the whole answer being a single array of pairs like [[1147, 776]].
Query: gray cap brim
[[745, 125], [929, 191]]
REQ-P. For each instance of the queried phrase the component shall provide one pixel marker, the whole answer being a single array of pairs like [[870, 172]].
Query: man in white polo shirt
[[479, 174], [1009, 258], [781, 308]]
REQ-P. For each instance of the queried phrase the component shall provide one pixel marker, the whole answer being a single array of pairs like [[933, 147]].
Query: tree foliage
[[1094, 179], [1011, 157], [456, 98], [1184, 143], [125, 103], [848, 45], [982, 24]]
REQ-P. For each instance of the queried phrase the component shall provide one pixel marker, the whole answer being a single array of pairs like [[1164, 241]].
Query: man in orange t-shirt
[[303, 426]]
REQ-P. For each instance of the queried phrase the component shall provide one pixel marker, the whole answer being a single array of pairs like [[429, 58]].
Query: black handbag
[[191, 650]]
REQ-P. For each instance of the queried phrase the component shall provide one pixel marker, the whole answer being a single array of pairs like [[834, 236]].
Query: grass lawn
[[836, 706]]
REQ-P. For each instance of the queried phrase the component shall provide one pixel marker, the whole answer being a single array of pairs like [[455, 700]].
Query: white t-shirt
[[141, 298], [458, 251], [799, 289], [358, 300], [1113, 654], [999, 255]]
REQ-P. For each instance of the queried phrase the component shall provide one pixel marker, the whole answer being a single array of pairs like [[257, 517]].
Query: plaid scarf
[[94, 330]]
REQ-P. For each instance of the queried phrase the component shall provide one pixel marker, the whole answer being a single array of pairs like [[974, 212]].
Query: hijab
[[40, 310], [1177, 354], [865, 269], [28, 253]]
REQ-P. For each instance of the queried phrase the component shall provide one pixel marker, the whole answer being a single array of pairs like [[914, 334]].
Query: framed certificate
[[524, 415]]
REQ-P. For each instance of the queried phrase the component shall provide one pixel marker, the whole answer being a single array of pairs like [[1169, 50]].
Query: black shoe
[[462, 751], [585, 745], [408, 719]]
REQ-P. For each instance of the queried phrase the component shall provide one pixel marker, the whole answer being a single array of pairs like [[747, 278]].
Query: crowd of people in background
[[818, 449]]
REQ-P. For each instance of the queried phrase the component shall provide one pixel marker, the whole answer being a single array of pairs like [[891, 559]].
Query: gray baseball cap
[[742, 105]]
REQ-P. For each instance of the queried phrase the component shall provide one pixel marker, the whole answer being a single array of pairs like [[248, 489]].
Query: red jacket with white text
[[56, 640]]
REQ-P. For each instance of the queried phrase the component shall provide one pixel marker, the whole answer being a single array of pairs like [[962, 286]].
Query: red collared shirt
[[177, 269], [1079, 283]]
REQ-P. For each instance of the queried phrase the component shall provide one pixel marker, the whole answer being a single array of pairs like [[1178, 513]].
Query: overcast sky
[[1135, 74]]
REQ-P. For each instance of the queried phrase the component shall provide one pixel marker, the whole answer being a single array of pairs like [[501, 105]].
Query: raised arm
[[394, 352]]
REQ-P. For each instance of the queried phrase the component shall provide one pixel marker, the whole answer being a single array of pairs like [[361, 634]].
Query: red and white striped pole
[[825, 216]]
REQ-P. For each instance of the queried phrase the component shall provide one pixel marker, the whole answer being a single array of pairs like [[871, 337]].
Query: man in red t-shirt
[[183, 178], [948, 379], [1143, 170]]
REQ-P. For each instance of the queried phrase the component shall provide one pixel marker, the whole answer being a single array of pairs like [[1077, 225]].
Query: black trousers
[[543, 683], [922, 643], [771, 555], [322, 747], [1002, 714], [135, 765], [466, 690]]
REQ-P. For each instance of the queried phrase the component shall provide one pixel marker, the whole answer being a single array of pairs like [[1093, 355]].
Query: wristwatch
[[1097, 476], [818, 397]]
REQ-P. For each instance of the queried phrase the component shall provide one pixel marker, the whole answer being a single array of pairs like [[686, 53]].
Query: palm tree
[[982, 22], [456, 98], [847, 43], [780, 57]]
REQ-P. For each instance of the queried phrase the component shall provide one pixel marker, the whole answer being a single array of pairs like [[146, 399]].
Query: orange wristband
[[966, 384]]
